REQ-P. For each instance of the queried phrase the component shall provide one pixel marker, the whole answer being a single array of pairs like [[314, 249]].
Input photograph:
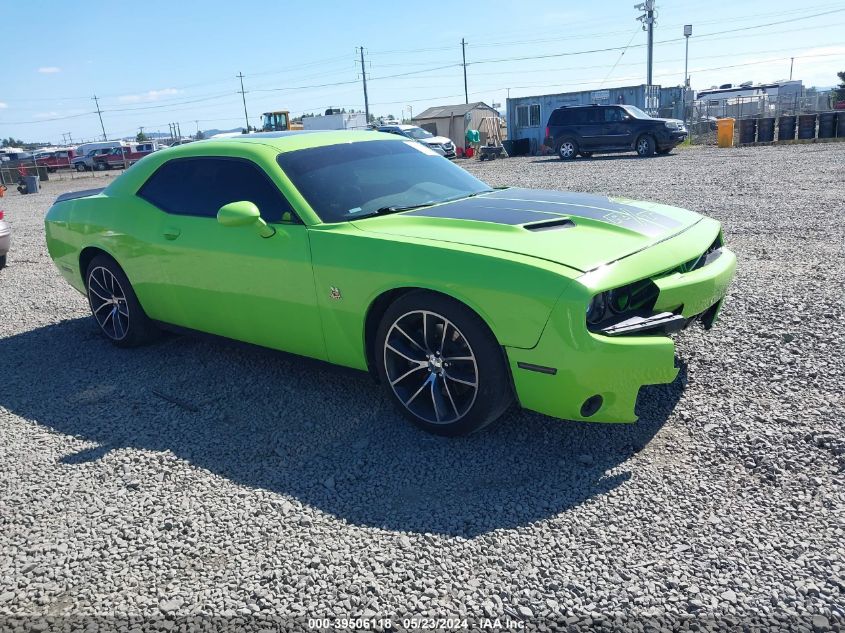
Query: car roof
[[292, 140]]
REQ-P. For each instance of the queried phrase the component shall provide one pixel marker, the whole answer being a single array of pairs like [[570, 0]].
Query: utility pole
[[100, 114], [179, 131], [687, 33], [364, 77], [648, 21], [464, 55], [243, 96], [198, 126], [791, 62]]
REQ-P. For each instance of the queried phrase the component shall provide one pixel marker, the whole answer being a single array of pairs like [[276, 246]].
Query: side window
[[592, 115], [612, 115], [200, 186]]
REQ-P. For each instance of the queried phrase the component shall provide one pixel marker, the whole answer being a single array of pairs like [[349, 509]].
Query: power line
[[677, 39]]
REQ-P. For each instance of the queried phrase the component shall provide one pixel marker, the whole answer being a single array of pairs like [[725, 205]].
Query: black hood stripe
[[473, 209], [522, 206]]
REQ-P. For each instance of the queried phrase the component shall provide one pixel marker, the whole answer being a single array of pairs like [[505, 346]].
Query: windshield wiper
[[394, 209], [411, 207]]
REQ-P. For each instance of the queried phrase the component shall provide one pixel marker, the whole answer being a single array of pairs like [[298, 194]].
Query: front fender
[[514, 295]]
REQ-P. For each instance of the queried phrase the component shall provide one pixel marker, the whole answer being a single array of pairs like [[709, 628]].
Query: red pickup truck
[[125, 156], [57, 160]]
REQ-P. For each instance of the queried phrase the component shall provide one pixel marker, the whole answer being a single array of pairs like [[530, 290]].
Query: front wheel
[[645, 146], [567, 150], [441, 364], [80, 167], [100, 166], [115, 306]]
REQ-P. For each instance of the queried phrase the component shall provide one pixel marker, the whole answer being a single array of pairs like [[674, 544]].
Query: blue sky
[[155, 61]]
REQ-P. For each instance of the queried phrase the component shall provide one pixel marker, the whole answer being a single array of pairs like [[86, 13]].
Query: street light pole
[[687, 33]]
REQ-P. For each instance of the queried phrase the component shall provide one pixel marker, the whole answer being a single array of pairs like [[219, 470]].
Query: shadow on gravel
[[599, 158], [324, 435]]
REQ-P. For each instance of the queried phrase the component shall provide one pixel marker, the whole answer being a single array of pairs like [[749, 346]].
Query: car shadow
[[600, 158], [326, 436]]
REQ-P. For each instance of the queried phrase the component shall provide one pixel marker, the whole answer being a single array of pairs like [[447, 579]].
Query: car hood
[[580, 231]]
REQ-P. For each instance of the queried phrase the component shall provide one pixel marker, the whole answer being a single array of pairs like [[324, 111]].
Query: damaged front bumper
[[578, 374]]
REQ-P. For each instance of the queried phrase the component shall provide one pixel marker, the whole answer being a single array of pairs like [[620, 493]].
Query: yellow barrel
[[725, 132]]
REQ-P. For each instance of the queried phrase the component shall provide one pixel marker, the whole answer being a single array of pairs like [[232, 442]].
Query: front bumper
[[570, 365]]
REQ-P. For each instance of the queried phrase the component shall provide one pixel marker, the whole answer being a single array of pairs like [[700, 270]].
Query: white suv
[[439, 144]]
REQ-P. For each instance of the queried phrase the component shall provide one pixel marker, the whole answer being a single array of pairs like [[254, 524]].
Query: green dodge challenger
[[371, 251]]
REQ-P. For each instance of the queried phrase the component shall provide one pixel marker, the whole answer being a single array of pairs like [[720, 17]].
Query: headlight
[[597, 308], [619, 299], [622, 302]]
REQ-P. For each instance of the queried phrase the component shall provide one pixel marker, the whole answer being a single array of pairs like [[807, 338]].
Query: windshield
[[635, 112], [417, 133], [355, 180]]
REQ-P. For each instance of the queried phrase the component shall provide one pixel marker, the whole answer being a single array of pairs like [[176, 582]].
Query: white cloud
[[150, 95], [3, 105], [49, 70]]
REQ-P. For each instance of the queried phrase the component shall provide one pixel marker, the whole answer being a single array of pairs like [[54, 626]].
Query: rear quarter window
[[200, 186]]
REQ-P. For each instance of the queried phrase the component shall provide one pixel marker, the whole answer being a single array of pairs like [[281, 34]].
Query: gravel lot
[[275, 488]]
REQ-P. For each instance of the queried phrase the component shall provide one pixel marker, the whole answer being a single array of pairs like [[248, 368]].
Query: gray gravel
[[277, 488]]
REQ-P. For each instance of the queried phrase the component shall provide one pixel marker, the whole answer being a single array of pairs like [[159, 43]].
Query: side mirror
[[244, 213]]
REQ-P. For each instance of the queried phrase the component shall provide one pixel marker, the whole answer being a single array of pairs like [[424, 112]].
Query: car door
[[590, 125], [231, 281], [617, 129]]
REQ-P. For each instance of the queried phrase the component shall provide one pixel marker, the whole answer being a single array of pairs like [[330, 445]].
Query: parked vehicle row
[[123, 156]]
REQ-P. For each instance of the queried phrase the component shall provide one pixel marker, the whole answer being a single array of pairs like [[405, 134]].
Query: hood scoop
[[550, 225]]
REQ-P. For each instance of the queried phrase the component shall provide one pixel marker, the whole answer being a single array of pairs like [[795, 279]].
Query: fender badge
[[334, 293]]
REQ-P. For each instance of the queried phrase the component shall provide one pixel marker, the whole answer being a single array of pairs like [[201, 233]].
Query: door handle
[[171, 232]]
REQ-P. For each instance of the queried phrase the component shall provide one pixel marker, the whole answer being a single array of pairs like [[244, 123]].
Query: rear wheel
[[568, 149], [441, 364], [2, 261], [645, 146], [115, 306]]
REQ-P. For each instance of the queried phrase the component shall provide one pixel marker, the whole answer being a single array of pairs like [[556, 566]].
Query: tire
[[125, 323], [100, 166], [568, 149], [2, 262], [587, 154], [441, 364], [80, 167], [644, 146]]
